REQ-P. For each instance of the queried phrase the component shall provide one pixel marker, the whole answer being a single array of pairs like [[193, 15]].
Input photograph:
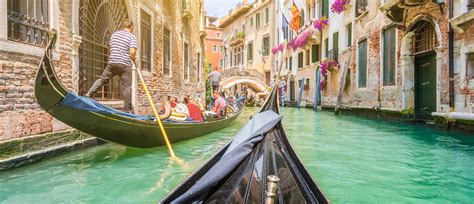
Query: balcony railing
[[242, 72], [470, 5], [238, 38], [28, 30]]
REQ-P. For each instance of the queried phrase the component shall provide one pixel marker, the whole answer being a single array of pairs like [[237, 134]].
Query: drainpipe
[[451, 56]]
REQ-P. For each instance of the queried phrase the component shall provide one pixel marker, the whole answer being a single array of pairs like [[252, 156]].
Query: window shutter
[[362, 64]]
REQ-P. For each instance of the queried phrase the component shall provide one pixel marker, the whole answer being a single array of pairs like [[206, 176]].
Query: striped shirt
[[120, 44]]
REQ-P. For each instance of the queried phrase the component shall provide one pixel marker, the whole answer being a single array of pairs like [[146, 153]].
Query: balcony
[[395, 10], [237, 39], [187, 9]]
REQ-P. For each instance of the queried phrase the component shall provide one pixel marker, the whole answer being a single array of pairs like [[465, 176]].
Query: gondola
[[109, 124], [257, 166]]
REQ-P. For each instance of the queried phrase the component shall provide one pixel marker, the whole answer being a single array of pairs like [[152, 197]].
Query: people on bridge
[[123, 47], [215, 78]]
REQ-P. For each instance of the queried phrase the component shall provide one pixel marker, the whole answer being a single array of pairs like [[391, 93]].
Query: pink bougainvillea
[[320, 23], [326, 65], [277, 49], [339, 6], [301, 40]]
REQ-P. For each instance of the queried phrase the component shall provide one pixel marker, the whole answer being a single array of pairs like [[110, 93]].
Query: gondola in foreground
[[95, 119], [257, 166]]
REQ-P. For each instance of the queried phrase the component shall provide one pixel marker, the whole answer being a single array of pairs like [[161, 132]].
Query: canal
[[353, 159]]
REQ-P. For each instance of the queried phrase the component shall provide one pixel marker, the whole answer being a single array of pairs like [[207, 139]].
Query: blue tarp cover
[[84, 103], [240, 147]]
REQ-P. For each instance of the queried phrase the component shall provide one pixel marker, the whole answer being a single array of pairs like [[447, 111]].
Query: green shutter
[[314, 53], [267, 15], [349, 34], [250, 52], [326, 48], [325, 8], [362, 62], [291, 63], [300, 60], [389, 56], [335, 46]]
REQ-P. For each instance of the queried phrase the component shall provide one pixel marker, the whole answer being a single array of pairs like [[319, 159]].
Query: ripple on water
[[354, 160]]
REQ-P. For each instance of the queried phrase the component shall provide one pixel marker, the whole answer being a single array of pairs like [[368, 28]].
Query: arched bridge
[[250, 77]]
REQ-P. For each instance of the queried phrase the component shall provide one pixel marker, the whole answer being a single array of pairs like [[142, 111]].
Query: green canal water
[[354, 160]]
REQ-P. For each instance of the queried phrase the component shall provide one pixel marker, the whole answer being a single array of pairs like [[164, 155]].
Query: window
[[362, 64], [361, 7], [325, 11], [267, 16], [291, 63], [424, 38], [166, 52], [326, 48], [250, 52], [221, 49], [251, 21], [286, 63], [315, 53], [214, 48], [349, 34], [221, 63], [335, 46], [300, 60], [186, 61], [257, 20], [470, 64], [266, 46], [389, 56], [302, 17], [198, 71], [307, 57], [218, 35], [470, 5], [145, 47], [33, 27]]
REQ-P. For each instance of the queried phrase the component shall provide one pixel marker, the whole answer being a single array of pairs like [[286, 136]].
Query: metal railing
[[242, 72], [28, 30]]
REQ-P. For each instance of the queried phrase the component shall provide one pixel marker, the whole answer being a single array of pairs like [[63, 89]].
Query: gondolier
[[215, 78], [123, 48]]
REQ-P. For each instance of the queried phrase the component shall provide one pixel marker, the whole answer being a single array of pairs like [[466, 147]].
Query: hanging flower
[[327, 65], [339, 6], [321, 23], [277, 48], [301, 40], [322, 84]]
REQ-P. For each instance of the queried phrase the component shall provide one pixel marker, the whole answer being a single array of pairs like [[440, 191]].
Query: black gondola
[[247, 172]]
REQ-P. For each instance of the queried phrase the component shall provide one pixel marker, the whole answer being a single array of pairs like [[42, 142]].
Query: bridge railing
[[242, 72]]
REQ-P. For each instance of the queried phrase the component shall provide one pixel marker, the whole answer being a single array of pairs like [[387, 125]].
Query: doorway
[[425, 85]]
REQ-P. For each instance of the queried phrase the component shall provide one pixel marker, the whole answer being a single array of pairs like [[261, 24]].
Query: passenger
[[195, 112], [173, 102], [219, 104]]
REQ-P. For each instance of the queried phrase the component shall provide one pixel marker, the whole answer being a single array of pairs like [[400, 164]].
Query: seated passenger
[[173, 102], [219, 104], [194, 110]]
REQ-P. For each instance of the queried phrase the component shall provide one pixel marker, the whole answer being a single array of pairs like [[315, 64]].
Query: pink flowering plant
[[301, 40], [340, 5], [325, 66], [320, 23], [277, 48]]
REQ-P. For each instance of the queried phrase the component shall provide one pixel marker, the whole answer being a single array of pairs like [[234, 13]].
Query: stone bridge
[[250, 77]]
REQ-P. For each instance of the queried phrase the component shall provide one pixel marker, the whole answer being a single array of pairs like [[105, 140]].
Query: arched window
[[424, 38]]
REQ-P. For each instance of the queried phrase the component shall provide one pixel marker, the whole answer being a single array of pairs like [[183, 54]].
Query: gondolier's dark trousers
[[125, 73]]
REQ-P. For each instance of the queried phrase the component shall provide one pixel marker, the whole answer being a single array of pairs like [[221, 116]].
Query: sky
[[220, 8]]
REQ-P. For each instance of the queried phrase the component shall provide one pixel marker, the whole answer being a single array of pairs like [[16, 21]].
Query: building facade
[[397, 56], [214, 44], [170, 54]]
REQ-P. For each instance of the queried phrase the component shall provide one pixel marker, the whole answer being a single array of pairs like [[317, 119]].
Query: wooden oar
[[157, 116]]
